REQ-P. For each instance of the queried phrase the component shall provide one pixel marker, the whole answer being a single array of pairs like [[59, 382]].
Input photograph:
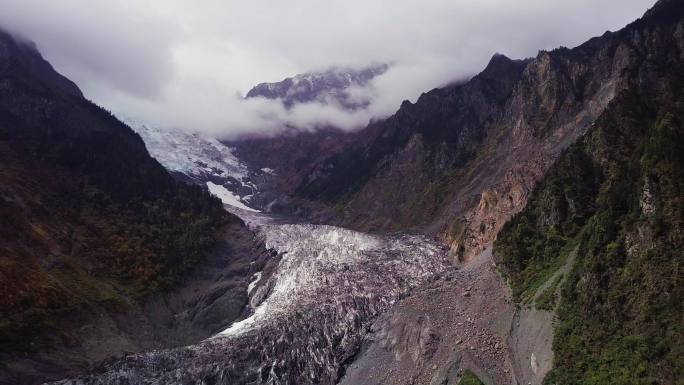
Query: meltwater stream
[[308, 316]]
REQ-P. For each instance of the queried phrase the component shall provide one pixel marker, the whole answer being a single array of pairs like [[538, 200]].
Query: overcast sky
[[187, 64]]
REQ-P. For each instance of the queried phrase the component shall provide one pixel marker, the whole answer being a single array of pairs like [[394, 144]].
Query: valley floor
[[340, 306]]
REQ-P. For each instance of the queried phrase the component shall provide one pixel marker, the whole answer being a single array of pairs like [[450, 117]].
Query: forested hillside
[[88, 219], [612, 207]]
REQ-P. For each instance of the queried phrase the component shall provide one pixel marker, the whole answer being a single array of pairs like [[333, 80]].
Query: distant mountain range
[[331, 86]]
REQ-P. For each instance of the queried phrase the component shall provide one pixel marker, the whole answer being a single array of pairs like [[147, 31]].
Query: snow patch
[[252, 285], [227, 197]]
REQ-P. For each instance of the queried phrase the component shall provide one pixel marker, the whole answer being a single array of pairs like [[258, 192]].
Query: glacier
[[201, 159], [311, 313], [307, 317]]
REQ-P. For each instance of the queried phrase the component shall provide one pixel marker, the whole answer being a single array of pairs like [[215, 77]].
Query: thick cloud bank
[[188, 64]]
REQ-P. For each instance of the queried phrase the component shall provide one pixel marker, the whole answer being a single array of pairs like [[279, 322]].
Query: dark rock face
[[96, 237], [467, 156], [22, 57], [288, 157], [414, 127], [326, 87]]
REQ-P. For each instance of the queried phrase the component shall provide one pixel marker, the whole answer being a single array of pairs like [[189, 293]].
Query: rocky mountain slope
[[608, 217], [467, 156], [95, 234]]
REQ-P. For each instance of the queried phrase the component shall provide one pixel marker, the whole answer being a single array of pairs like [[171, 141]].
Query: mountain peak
[[323, 87], [664, 11], [498, 60], [502, 67], [17, 53]]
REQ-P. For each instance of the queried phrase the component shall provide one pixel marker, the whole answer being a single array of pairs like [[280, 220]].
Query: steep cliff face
[[418, 149], [462, 159], [92, 229], [611, 210], [600, 241]]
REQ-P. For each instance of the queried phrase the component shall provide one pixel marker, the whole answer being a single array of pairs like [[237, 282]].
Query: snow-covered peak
[[319, 86]]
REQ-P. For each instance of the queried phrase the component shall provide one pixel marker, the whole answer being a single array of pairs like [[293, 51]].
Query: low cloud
[[188, 67]]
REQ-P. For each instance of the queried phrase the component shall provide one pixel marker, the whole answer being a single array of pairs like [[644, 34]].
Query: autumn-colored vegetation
[[87, 218], [616, 198]]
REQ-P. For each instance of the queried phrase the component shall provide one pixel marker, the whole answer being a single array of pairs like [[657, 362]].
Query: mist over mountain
[[520, 222], [190, 67]]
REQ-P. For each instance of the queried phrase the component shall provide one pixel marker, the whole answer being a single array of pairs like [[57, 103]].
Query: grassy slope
[[469, 378]]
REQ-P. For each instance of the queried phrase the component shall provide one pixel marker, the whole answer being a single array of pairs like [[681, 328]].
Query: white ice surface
[[189, 153], [227, 197], [321, 262], [252, 285]]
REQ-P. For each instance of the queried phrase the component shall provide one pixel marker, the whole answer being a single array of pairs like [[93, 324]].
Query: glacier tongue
[[321, 263], [312, 313], [227, 197]]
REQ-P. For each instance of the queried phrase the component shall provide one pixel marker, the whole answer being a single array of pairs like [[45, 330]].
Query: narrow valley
[[403, 207]]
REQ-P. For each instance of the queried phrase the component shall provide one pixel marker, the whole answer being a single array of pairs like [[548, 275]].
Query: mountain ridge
[[94, 231], [558, 96], [329, 86]]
